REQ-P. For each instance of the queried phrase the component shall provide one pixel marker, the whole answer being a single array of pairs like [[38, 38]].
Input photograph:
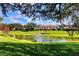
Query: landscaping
[[10, 46], [39, 29], [54, 33]]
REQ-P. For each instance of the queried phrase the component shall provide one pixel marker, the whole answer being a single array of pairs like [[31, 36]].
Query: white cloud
[[28, 19], [13, 19], [1, 15]]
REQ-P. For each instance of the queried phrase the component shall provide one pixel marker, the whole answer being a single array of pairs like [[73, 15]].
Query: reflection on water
[[40, 38], [23, 37]]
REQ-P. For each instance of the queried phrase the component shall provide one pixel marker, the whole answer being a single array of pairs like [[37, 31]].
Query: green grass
[[13, 47], [10, 39], [50, 32], [36, 32], [6, 38], [27, 49]]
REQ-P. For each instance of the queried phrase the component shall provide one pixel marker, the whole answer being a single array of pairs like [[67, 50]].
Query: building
[[47, 27]]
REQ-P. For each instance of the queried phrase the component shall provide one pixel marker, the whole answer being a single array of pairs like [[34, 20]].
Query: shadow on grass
[[24, 30], [2, 35], [22, 49]]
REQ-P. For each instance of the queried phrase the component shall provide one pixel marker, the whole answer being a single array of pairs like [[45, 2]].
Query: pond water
[[41, 38]]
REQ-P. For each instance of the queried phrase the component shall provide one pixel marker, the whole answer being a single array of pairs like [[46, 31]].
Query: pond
[[41, 38]]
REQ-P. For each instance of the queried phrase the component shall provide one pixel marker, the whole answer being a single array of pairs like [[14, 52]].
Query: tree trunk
[[70, 32]]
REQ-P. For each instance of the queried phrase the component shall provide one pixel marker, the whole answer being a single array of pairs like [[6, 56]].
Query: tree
[[73, 11], [4, 28], [1, 19], [31, 26], [15, 26], [65, 12]]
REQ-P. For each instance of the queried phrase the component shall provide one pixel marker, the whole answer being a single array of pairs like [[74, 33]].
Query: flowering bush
[[4, 28]]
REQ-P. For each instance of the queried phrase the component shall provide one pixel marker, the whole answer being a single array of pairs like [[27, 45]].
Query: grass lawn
[[27, 49], [12, 47], [6, 38], [51, 32]]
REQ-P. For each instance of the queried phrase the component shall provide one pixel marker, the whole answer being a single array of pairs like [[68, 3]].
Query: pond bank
[[55, 34]]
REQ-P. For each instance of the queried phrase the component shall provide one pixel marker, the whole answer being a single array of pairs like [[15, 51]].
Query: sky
[[16, 17]]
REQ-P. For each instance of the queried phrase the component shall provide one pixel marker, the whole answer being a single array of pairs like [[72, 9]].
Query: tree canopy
[[54, 11]]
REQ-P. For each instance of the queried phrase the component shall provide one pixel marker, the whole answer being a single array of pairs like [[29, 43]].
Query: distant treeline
[[32, 26]]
